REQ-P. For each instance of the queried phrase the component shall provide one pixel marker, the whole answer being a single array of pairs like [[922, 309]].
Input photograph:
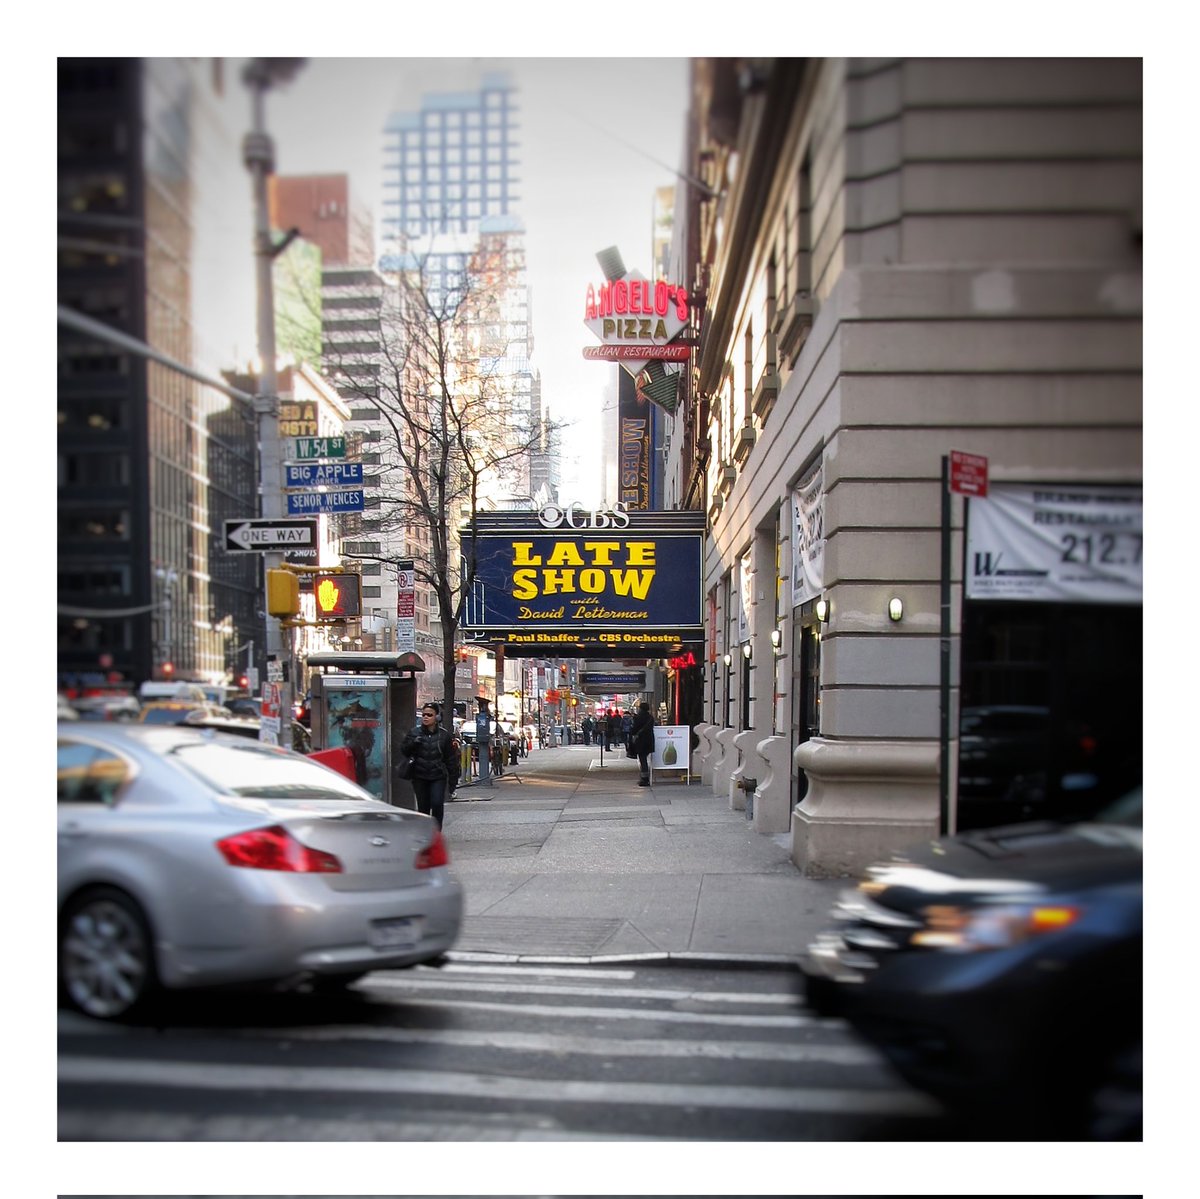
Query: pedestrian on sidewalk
[[431, 749], [641, 738]]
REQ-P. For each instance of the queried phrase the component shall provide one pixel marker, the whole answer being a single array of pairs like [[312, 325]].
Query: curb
[[682, 958]]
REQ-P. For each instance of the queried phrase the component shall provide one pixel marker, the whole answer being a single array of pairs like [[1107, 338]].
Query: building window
[[100, 469], [94, 525]]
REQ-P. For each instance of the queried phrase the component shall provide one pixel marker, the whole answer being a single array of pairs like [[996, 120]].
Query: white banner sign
[[1072, 543], [746, 596], [808, 537]]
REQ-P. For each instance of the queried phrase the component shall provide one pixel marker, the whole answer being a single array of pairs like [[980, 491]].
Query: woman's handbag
[[403, 768]]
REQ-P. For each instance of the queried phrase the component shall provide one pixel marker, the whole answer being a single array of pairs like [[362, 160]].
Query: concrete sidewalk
[[565, 857]]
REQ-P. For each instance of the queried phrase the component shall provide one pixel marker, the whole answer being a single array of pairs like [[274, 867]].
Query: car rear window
[[255, 771]]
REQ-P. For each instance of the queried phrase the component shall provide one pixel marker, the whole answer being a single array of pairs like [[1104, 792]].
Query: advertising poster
[[633, 452], [672, 748], [1071, 543], [356, 721], [808, 537]]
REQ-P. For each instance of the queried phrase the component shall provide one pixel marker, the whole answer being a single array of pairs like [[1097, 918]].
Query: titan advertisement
[[614, 579], [356, 721]]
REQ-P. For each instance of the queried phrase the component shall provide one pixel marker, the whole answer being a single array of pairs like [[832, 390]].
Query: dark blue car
[[1001, 970]]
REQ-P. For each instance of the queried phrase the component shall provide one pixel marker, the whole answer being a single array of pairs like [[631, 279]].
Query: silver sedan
[[189, 858]]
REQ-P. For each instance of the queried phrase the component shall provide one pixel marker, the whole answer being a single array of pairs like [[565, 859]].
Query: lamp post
[[258, 154]]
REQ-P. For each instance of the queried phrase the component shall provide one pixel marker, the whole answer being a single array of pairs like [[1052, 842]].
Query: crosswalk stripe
[[244, 1077], [439, 1126], [382, 978], [571, 1012], [767, 1051]]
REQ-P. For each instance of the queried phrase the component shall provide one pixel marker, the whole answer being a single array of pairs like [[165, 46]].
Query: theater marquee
[[614, 579]]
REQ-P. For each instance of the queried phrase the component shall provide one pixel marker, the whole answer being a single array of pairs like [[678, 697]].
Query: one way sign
[[270, 533]]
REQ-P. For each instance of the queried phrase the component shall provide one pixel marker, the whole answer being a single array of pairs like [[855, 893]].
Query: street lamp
[[258, 154]]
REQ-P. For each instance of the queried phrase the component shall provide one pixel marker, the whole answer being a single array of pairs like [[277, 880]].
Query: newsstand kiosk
[[367, 702]]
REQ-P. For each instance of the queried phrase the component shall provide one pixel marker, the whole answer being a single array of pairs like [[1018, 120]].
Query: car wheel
[[105, 955]]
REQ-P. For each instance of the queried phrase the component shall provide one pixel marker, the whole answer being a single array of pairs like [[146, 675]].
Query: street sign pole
[[944, 825]]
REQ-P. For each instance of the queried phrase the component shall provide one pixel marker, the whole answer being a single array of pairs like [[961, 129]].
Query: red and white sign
[[632, 316], [272, 703], [968, 473], [406, 610], [639, 353]]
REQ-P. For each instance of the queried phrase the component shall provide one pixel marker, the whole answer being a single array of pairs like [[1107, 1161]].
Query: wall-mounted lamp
[[746, 650], [728, 661], [822, 610], [896, 608], [776, 639]]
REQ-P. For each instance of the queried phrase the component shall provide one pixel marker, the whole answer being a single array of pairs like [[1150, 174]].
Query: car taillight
[[434, 854], [274, 848]]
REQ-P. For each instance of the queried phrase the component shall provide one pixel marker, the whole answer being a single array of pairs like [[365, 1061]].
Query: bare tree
[[443, 378]]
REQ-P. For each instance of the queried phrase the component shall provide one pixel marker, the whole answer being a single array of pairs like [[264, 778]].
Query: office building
[[152, 461]]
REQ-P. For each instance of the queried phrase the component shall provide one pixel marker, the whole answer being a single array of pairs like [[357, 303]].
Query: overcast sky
[[595, 137]]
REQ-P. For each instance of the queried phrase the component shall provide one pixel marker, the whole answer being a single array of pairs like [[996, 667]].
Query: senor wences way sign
[[613, 579]]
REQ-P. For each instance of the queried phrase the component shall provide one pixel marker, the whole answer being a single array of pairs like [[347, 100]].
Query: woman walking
[[641, 738], [431, 748]]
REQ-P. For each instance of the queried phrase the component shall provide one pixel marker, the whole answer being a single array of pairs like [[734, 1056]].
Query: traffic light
[[574, 702], [462, 653], [562, 669], [283, 593], [338, 594]]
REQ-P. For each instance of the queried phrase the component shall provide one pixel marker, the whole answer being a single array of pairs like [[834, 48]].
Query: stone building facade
[[898, 259]]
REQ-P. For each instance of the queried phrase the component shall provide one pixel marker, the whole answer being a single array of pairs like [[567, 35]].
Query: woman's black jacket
[[431, 751], [641, 734]]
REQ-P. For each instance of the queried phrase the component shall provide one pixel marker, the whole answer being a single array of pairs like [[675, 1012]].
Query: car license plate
[[400, 932]]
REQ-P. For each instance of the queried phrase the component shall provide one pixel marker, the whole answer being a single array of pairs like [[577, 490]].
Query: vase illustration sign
[[672, 747]]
